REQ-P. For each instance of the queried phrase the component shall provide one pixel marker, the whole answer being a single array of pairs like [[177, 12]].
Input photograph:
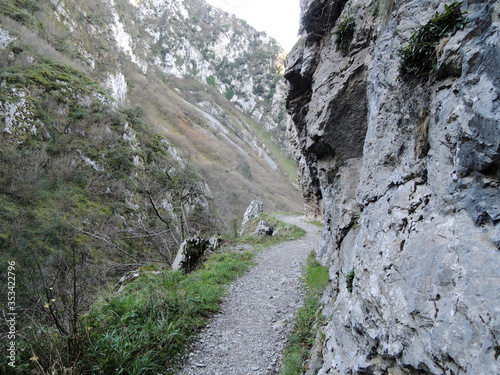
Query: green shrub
[[229, 93], [419, 56], [211, 81], [344, 34], [349, 279]]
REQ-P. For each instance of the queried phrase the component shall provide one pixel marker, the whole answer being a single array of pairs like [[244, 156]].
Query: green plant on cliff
[[419, 56], [349, 279], [344, 34]]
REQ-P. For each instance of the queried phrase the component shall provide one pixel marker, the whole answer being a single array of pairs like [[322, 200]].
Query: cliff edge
[[403, 163]]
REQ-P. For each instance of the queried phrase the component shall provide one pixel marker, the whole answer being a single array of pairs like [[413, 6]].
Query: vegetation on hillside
[[91, 189], [147, 326], [87, 191]]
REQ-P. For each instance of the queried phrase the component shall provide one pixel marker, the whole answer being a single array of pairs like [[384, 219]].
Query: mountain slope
[[110, 157], [155, 46]]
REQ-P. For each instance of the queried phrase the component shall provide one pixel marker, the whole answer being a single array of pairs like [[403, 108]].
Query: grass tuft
[[419, 56], [344, 34], [317, 223]]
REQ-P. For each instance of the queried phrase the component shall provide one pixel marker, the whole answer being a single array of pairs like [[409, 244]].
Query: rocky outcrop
[[407, 175], [253, 210], [180, 38]]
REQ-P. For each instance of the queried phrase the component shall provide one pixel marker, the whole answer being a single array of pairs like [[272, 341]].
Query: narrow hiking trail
[[249, 334]]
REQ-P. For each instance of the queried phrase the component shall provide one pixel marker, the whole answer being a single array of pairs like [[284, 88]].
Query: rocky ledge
[[405, 171]]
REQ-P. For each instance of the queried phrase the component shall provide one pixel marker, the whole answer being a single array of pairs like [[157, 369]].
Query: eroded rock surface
[[407, 178]]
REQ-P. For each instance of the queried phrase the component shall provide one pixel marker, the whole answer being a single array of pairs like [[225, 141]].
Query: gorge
[[130, 126]]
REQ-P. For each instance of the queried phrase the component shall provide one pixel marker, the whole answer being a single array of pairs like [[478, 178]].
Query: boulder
[[264, 229], [253, 210], [192, 251]]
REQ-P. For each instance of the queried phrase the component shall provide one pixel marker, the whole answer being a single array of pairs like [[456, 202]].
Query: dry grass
[[39, 45]]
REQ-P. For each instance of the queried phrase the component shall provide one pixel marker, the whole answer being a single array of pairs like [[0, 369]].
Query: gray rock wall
[[407, 175]]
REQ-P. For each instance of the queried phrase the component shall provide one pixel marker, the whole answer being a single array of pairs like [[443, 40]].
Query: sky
[[278, 18]]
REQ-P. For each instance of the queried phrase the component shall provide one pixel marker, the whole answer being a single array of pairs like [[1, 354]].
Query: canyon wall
[[405, 173]]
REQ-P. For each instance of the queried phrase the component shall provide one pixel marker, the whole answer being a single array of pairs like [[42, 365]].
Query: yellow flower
[[46, 305], [34, 358], [53, 300]]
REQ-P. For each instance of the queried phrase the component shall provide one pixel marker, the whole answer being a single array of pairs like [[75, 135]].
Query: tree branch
[[104, 239]]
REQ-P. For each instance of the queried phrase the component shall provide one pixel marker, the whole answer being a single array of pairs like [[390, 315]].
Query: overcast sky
[[278, 18]]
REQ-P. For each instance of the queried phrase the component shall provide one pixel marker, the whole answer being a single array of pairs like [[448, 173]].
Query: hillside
[[193, 80], [127, 127]]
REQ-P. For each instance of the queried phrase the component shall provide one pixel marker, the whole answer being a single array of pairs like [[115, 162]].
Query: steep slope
[[175, 59], [110, 157], [180, 38], [396, 116]]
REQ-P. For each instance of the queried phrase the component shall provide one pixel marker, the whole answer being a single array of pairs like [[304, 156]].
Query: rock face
[[253, 210], [407, 177]]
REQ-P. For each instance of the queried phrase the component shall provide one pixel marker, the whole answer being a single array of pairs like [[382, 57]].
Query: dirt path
[[249, 334]]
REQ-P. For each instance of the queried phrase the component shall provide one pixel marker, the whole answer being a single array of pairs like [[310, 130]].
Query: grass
[[149, 325], [304, 331], [317, 223], [344, 34]]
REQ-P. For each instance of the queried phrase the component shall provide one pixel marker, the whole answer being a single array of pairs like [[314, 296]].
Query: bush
[[229, 93], [211, 81], [23, 16], [349, 280], [344, 34], [419, 56]]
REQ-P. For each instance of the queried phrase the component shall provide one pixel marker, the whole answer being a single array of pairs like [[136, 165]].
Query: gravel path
[[249, 334]]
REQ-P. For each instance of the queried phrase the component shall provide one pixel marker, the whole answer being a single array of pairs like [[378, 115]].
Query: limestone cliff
[[406, 174]]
